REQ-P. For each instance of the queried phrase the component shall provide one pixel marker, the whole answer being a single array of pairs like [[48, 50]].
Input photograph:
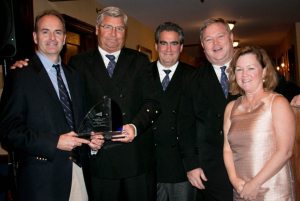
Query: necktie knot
[[56, 66], [223, 68], [111, 57], [167, 72]]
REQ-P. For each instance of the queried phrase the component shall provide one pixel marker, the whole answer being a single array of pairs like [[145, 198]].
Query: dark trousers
[[217, 186], [139, 188], [182, 191]]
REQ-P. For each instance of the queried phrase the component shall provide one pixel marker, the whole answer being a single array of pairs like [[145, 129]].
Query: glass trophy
[[104, 118]]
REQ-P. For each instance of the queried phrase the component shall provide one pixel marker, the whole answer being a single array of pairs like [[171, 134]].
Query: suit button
[[177, 138], [148, 110], [221, 132], [124, 113], [154, 128], [70, 158], [121, 95], [172, 128], [174, 111]]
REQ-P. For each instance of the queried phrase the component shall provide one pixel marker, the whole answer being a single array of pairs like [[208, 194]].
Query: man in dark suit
[[121, 170], [167, 75], [203, 110], [38, 119]]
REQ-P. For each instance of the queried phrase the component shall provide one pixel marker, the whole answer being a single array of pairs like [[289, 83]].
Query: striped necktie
[[166, 80], [64, 98], [224, 81], [111, 65]]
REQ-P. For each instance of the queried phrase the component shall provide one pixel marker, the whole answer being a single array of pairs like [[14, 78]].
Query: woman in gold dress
[[259, 131]]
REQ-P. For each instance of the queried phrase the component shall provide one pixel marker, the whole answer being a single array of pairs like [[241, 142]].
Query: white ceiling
[[259, 22]]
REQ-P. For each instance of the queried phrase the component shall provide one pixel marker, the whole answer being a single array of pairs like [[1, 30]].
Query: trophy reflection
[[104, 118]]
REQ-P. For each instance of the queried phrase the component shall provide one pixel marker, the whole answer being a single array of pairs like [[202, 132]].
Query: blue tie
[[111, 65], [64, 98], [224, 81], [166, 80]]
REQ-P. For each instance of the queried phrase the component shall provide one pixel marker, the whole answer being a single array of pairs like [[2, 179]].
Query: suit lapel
[[98, 72], [156, 78], [122, 67], [176, 79], [74, 93], [43, 79], [215, 84]]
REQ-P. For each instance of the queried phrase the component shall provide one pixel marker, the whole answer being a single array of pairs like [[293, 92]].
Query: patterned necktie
[[224, 81], [166, 80], [111, 65], [64, 98]]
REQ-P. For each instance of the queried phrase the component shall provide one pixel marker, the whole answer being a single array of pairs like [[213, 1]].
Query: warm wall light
[[235, 43], [231, 24]]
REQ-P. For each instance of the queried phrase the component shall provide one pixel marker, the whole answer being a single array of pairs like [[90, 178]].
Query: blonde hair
[[211, 21]]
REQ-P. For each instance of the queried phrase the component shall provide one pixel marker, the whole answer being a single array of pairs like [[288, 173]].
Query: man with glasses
[[122, 169], [167, 75]]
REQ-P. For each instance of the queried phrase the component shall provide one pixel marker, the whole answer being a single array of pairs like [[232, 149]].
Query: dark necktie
[[111, 65], [166, 80], [64, 98], [224, 81]]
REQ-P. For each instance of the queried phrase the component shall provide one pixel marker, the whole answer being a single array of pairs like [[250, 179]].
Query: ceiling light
[[231, 24]]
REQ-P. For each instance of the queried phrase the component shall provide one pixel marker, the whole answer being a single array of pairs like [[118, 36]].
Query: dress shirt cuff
[[94, 152], [135, 131]]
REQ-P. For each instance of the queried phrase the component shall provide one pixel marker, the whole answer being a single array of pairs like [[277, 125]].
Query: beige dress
[[252, 140]]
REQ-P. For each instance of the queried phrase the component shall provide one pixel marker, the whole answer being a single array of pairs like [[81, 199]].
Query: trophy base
[[108, 135]]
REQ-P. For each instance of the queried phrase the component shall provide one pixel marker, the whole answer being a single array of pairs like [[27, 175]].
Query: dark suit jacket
[[32, 119], [169, 164], [202, 111], [127, 88]]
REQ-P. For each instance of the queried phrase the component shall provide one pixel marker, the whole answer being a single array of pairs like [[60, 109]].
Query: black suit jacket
[[201, 126], [165, 131], [127, 87], [32, 119]]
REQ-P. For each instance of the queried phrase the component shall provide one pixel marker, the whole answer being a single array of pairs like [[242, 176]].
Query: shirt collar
[[172, 68], [103, 53], [47, 63]]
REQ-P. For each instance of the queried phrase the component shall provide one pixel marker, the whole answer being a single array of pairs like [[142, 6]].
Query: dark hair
[[169, 26], [49, 12], [210, 21], [270, 79]]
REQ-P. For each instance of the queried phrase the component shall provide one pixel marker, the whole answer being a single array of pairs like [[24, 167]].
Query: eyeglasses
[[108, 27], [165, 43]]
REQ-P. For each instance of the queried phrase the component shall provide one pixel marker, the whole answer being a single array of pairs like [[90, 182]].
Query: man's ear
[[34, 37]]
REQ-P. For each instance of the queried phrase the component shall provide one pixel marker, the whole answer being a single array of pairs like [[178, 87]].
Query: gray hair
[[112, 12]]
